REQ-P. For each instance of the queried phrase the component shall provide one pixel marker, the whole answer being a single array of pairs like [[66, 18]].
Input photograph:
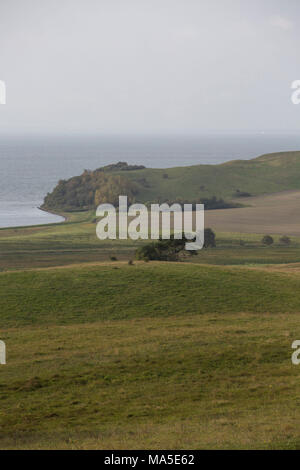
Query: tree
[[173, 249], [209, 238], [89, 190], [285, 240], [239, 193], [267, 240], [164, 250], [111, 187]]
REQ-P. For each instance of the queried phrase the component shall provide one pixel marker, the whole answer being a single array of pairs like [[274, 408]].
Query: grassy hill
[[106, 355], [266, 174], [149, 356], [116, 291]]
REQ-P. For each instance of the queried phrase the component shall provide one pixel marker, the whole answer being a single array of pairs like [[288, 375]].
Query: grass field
[[270, 173], [103, 354], [239, 233], [267, 174], [149, 356]]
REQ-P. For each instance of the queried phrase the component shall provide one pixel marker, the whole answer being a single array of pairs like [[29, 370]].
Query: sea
[[31, 166]]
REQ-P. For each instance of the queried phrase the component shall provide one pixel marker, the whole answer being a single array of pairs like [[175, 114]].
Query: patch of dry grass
[[270, 214]]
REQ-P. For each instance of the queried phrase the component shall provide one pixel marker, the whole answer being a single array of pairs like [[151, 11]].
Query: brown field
[[277, 213]]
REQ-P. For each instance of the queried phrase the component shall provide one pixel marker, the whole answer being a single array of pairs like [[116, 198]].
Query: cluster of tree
[[89, 190], [209, 203], [268, 240], [172, 249], [110, 190], [214, 203], [103, 185], [121, 166], [285, 240]]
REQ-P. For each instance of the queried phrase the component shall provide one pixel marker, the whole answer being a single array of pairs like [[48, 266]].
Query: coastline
[[51, 211], [31, 218]]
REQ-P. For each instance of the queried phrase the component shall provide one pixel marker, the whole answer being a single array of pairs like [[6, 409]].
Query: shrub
[[164, 250], [211, 203], [209, 238], [113, 258], [285, 240], [170, 250], [239, 193], [267, 240]]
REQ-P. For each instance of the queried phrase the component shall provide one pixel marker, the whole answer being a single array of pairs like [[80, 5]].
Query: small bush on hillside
[[210, 203], [171, 250], [285, 241], [209, 238], [239, 193], [164, 250], [267, 240]]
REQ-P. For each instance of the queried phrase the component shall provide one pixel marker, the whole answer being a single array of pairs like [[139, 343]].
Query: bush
[[239, 193], [267, 240], [285, 240], [210, 203], [164, 250], [170, 250], [113, 258], [209, 238]]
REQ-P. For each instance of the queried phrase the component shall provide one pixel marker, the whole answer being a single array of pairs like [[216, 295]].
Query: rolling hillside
[[265, 174], [149, 356]]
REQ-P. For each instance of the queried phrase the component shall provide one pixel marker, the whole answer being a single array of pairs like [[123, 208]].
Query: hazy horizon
[[140, 67]]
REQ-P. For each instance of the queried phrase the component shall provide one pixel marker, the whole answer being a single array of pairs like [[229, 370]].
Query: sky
[[149, 66]]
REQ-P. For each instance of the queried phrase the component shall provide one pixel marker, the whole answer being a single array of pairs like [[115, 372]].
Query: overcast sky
[[149, 66]]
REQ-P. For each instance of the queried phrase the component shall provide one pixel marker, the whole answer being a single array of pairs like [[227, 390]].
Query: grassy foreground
[[103, 354], [155, 355]]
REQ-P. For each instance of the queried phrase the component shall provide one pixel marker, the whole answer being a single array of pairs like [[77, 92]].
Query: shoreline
[[39, 224], [50, 211]]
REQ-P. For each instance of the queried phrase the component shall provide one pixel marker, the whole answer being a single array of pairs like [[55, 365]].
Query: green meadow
[[75, 242], [106, 352], [266, 174], [106, 355], [235, 179], [145, 290]]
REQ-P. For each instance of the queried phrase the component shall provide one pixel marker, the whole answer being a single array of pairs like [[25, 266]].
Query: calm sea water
[[29, 168]]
